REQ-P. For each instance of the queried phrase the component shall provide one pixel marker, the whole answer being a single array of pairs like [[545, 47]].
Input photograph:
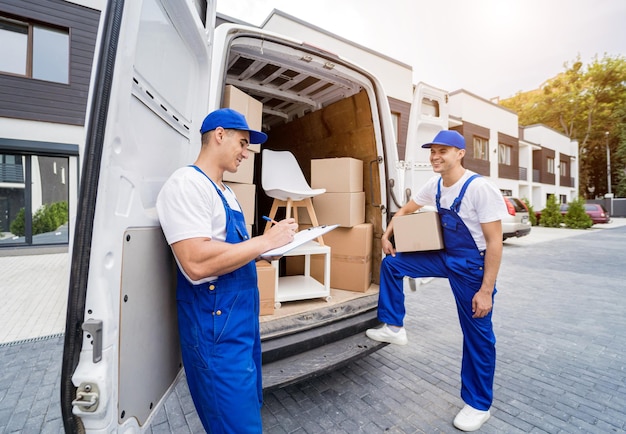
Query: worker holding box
[[470, 211]]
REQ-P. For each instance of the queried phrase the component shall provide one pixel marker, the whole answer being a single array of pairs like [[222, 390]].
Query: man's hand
[[387, 247], [281, 233], [481, 304]]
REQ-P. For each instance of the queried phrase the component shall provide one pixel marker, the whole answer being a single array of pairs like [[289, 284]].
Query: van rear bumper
[[302, 347]]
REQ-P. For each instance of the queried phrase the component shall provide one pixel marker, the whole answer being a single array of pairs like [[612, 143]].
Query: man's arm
[[482, 301], [204, 257], [408, 208]]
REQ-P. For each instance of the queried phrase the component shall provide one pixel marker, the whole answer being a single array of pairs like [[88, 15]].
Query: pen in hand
[[267, 219]]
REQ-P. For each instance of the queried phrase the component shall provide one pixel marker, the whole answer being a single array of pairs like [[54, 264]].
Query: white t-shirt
[[482, 202], [188, 206]]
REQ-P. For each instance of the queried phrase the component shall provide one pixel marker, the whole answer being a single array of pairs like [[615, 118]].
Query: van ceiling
[[288, 86]]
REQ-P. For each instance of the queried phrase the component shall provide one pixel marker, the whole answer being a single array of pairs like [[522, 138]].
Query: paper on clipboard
[[299, 239]]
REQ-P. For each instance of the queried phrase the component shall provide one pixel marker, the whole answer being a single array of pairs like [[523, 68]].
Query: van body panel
[[140, 128]]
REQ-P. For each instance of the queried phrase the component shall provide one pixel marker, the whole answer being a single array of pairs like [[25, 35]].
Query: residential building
[[529, 162], [46, 53]]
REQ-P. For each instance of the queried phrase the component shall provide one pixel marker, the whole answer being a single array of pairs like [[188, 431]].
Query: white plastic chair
[[283, 180]]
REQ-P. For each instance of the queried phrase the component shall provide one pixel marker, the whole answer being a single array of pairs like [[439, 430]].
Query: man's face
[[444, 158], [235, 145]]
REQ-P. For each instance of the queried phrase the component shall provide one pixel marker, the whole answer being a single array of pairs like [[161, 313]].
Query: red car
[[595, 211]]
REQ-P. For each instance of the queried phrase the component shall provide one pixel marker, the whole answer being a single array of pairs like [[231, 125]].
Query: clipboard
[[300, 238]]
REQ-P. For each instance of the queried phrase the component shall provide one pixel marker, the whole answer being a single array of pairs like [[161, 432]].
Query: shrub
[[576, 217], [551, 215], [47, 218], [18, 226]]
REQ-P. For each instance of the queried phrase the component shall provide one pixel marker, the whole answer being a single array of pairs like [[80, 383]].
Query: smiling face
[[234, 148], [445, 159]]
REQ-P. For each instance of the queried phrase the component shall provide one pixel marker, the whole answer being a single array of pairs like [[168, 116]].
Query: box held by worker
[[420, 231]]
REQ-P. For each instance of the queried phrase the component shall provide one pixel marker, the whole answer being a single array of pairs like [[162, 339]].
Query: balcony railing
[[522, 173], [13, 173], [536, 175]]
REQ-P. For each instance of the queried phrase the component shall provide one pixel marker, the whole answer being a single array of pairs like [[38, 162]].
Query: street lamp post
[[608, 162]]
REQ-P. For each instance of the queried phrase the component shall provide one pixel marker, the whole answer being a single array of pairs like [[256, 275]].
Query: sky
[[492, 48]]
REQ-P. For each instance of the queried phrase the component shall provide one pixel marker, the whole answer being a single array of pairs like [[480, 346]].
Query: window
[[481, 149], [563, 168], [550, 161], [504, 154], [34, 51], [33, 200]]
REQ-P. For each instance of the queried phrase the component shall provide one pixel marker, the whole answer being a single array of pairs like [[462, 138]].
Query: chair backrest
[[281, 171]]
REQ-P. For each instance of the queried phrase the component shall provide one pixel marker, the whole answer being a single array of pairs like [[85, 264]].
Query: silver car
[[516, 223]]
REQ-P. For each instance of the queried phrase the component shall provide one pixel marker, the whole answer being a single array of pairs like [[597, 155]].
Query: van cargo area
[[309, 103]]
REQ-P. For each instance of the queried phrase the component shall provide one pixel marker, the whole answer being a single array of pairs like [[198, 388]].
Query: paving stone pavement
[[560, 321]]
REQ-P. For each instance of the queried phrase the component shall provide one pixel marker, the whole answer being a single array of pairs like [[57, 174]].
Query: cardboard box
[[247, 106], [266, 278], [244, 173], [344, 209], [351, 258], [246, 194], [417, 232], [337, 175]]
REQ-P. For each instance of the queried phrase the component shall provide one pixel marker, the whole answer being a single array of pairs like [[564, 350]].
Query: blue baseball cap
[[447, 138], [230, 119]]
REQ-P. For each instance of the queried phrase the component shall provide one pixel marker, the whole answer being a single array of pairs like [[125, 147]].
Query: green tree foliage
[[584, 103], [18, 227], [576, 217], [47, 218], [551, 215], [532, 217]]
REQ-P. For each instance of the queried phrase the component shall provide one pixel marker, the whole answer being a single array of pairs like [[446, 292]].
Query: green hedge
[[47, 218]]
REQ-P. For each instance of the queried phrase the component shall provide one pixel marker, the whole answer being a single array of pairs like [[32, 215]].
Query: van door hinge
[[87, 396]]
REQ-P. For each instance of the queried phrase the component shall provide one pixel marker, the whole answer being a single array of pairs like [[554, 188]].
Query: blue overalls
[[462, 264], [218, 324]]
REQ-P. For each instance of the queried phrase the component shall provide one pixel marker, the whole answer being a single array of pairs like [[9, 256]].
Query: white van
[[160, 69]]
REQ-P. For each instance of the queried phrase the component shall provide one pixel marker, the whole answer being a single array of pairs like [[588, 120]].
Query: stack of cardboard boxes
[[242, 183], [343, 204]]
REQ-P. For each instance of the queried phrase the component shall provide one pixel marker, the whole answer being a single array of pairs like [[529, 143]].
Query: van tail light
[[509, 207]]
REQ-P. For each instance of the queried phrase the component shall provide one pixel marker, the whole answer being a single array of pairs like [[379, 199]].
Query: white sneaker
[[470, 419], [385, 334]]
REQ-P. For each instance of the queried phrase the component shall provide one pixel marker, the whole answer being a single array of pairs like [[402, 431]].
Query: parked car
[[516, 223], [595, 211]]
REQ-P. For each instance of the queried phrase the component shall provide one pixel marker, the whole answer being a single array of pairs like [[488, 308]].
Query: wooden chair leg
[[311, 211]]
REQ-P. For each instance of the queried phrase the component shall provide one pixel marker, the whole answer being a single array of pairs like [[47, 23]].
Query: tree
[[576, 217], [584, 103], [551, 215]]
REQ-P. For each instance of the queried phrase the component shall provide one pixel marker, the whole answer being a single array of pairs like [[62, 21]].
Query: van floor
[[298, 307]]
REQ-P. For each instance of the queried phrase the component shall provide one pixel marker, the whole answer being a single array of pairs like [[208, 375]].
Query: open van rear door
[[428, 116], [149, 94]]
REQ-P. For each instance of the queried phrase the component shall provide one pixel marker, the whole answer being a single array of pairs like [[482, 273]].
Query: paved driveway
[[560, 320]]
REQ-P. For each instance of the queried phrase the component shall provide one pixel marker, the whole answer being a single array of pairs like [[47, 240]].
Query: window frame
[[482, 144], [550, 165], [30, 51], [504, 153]]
